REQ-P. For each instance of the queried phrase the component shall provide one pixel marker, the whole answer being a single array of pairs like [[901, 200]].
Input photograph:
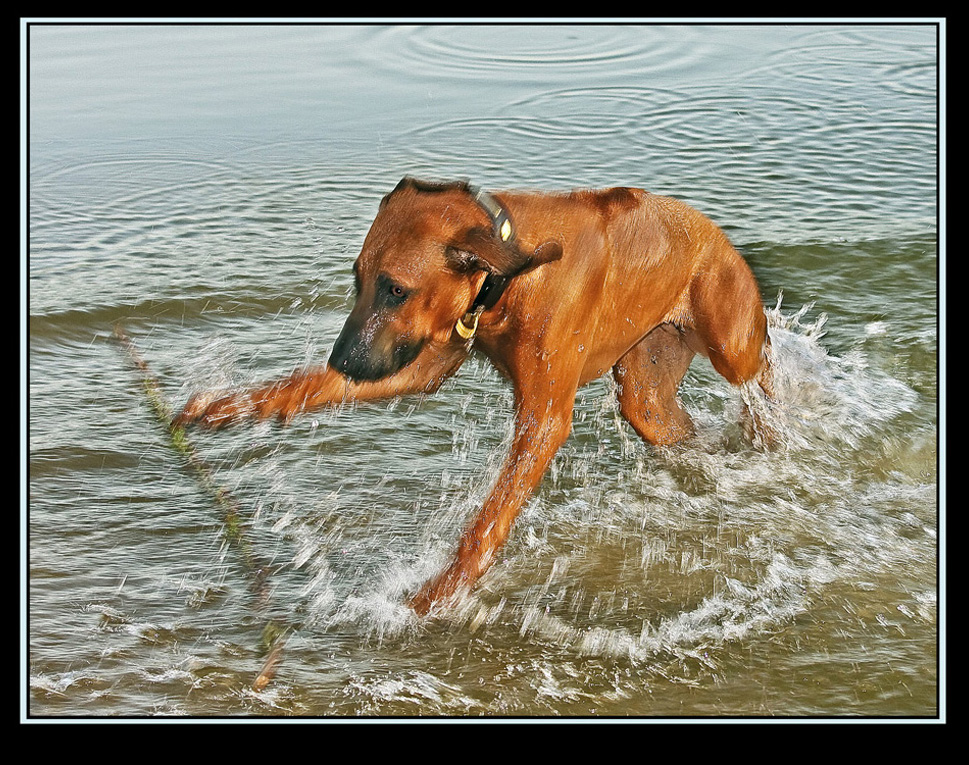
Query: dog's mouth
[[363, 360]]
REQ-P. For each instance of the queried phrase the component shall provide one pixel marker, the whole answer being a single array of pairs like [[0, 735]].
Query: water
[[209, 187]]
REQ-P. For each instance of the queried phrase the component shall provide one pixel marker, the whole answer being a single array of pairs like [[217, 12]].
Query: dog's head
[[427, 255]]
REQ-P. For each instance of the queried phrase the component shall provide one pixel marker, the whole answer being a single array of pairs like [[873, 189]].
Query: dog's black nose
[[369, 356], [348, 356]]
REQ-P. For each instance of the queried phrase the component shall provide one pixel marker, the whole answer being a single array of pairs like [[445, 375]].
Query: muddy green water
[[209, 186]]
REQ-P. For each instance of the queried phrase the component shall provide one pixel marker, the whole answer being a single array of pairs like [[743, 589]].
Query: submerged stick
[[274, 636]]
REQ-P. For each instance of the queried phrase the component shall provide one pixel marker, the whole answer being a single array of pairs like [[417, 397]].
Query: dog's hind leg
[[730, 327], [648, 378]]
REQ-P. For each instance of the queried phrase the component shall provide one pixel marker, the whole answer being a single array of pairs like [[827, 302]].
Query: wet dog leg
[[319, 387], [541, 426], [649, 377]]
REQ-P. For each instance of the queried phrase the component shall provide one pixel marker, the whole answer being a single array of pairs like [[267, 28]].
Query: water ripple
[[468, 51], [734, 153], [901, 58]]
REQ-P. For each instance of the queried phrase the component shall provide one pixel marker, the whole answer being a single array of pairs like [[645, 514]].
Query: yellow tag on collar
[[505, 231], [464, 330]]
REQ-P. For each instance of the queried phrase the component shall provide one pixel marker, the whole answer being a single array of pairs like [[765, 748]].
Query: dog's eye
[[394, 294]]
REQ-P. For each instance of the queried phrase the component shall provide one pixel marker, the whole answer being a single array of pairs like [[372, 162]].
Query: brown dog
[[556, 290]]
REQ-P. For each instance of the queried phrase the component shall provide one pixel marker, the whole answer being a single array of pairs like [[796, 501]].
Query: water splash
[[743, 538], [822, 398], [736, 613]]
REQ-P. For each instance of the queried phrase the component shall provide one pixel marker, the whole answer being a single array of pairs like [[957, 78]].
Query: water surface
[[209, 187]]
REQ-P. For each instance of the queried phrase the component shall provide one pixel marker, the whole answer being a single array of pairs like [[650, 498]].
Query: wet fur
[[615, 279]]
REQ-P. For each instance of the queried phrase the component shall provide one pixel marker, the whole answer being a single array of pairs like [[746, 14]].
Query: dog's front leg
[[542, 425], [281, 398], [318, 387]]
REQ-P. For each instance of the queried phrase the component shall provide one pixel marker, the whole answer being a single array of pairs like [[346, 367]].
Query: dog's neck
[[490, 293], [494, 285]]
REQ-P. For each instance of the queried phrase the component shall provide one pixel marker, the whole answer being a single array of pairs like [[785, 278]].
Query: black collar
[[500, 219], [494, 285]]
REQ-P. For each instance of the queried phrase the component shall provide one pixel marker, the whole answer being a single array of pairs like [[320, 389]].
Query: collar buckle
[[461, 327]]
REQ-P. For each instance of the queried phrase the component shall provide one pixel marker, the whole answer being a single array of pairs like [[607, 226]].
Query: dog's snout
[[365, 352], [349, 353], [340, 356]]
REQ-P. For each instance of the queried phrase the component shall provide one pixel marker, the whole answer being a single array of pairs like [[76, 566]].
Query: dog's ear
[[478, 249]]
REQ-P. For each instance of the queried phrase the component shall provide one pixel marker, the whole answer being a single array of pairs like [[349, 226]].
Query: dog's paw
[[446, 590], [212, 410]]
